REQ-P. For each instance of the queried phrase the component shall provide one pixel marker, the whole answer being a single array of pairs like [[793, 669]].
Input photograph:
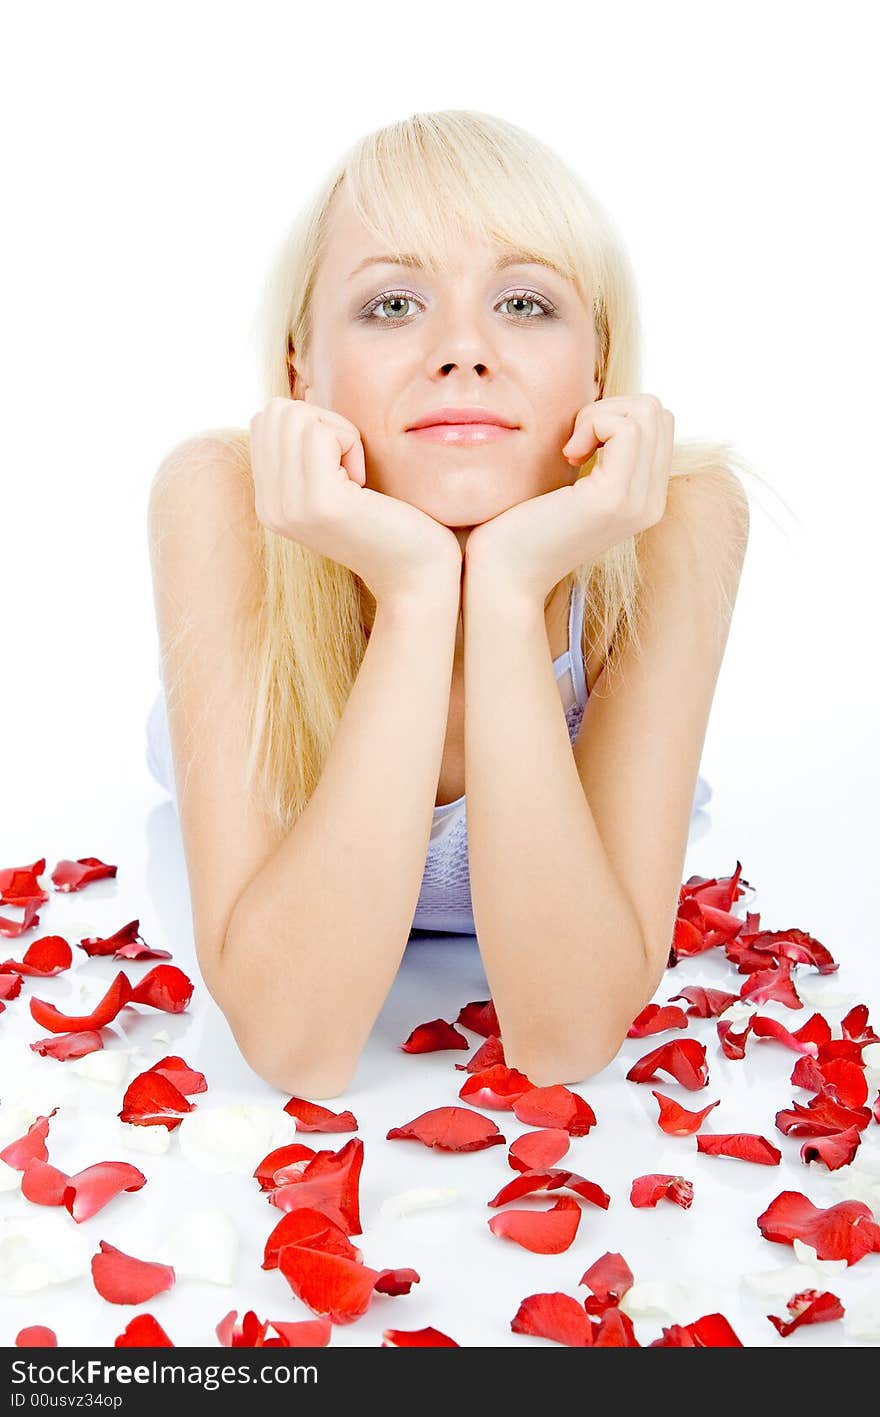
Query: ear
[[297, 388]]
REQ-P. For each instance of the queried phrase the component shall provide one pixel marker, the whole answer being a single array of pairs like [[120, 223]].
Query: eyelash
[[367, 314]]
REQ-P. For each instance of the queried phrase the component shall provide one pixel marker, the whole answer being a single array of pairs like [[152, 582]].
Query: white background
[[153, 160]]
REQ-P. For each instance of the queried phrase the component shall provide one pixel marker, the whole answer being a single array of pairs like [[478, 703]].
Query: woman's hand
[[535, 544], [309, 485]]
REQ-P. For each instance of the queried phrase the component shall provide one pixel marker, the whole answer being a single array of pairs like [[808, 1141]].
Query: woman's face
[[394, 342]]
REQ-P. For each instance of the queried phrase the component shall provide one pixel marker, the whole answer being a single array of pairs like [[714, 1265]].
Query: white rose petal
[[108, 1066], [860, 1181], [163, 1036], [203, 1245], [807, 1255], [38, 1250], [815, 992], [152, 1141], [739, 1014], [419, 1198], [871, 1057], [655, 1297], [43, 1086], [779, 1285], [235, 1137]]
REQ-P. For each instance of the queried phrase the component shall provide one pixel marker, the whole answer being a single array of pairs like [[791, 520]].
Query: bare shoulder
[[215, 462]]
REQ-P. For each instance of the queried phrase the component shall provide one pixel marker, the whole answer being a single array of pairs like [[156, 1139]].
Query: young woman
[[458, 546]]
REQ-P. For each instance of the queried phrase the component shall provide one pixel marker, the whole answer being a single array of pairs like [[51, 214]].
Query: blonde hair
[[465, 175]]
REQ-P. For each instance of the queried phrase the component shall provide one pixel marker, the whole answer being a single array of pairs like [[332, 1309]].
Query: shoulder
[[216, 461]]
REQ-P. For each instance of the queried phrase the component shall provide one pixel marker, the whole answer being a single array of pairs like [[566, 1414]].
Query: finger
[[351, 449], [597, 426]]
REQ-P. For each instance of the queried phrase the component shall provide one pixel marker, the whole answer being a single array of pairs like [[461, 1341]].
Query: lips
[[471, 414]]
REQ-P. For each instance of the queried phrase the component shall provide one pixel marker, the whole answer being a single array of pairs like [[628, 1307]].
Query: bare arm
[[298, 936], [316, 939]]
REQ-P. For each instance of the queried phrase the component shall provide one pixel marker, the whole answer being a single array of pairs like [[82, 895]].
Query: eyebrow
[[514, 258]]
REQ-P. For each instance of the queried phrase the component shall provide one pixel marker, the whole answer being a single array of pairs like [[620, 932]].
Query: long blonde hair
[[426, 184]]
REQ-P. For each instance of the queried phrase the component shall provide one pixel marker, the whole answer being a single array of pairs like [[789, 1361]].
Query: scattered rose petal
[[29, 921], [545, 1232], [551, 1179], [330, 1183], [655, 1018], [36, 1337], [311, 1117], [556, 1316], [497, 1087], [843, 1231], [105, 1011], [417, 1200], [416, 1338], [164, 987], [222, 1139], [655, 1298], [833, 1151], [20, 884], [486, 1056], [312, 1228], [808, 1307], [711, 1331], [742, 1146], [40, 1249], [43, 1184], [764, 1027], [676, 1120], [648, 1190], [480, 1018], [282, 1158], [434, 1036], [733, 1044], [105, 1066], [556, 1107], [90, 1190], [329, 1284], [47, 956], [536, 1150], [151, 1100], [683, 1058], [396, 1281], [121, 1279], [10, 985], [706, 1003], [822, 1116], [775, 984], [29, 1147], [143, 1332], [609, 1277], [450, 1129], [73, 875], [64, 1046], [151, 1141], [96, 945]]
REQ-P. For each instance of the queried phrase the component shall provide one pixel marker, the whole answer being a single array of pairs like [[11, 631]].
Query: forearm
[[559, 939], [315, 941]]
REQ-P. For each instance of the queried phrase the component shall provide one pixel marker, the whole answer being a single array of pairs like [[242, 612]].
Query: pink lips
[[469, 433]]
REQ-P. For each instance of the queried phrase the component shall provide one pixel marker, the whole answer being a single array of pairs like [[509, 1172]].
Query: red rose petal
[[615, 1329], [29, 920], [742, 1146], [555, 1107], [73, 875], [250, 1332], [10, 985], [282, 1157], [846, 1081], [96, 945], [151, 1100], [165, 987], [186, 1080], [536, 1150], [775, 984], [545, 1232], [822, 1116], [44, 1184], [609, 1278], [855, 1025], [143, 1332], [733, 1044], [105, 1011], [434, 1036], [65, 1046], [19, 884], [843, 1231], [711, 1331], [808, 1307], [47, 956], [328, 1183], [486, 1056], [556, 1316], [683, 1058], [330, 1284], [706, 1003], [833, 1151], [29, 1147], [817, 1029], [396, 1281], [37, 1336], [764, 1027], [303, 1333], [311, 1117], [121, 1279], [676, 1120], [648, 1190], [480, 1017], [450, 1129], [312, 1228], [551, 1179], [416, 1338], [656, 1019], [498, 1086], [90, 1190]]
